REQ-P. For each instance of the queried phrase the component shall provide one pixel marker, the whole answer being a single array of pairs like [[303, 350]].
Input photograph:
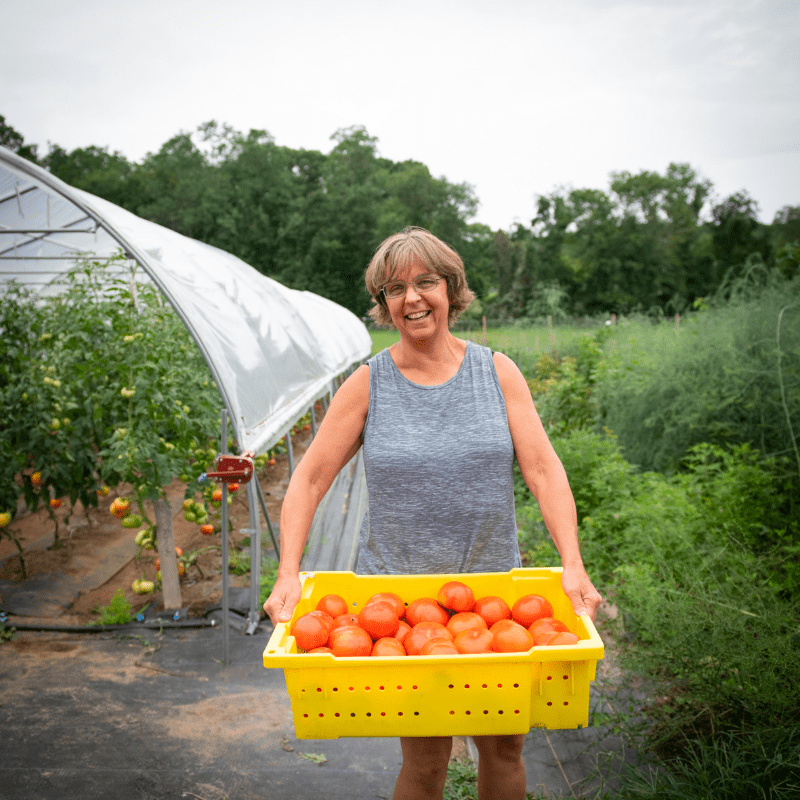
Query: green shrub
[[118, 612]]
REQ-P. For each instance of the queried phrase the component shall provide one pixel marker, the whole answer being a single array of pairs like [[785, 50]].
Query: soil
[[68, 542]]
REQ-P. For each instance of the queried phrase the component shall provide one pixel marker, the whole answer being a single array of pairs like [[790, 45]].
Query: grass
[[511, 340]]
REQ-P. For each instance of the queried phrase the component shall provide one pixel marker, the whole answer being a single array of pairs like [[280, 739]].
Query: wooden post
[[485, 337], [170, 583]]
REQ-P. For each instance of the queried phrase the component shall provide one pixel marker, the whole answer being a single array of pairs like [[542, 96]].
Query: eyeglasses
[[421, 284]]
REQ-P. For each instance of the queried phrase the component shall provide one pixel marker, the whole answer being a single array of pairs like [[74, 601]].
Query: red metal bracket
[[232, 469]]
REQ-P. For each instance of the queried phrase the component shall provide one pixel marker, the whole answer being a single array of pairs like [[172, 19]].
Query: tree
[[96, 170], [15, 142], [737, 233]]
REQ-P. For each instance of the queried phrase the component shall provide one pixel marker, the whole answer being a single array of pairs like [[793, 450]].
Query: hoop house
[[272, 350]]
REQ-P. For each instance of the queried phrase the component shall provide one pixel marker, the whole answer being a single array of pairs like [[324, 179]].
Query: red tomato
[[492, 609]]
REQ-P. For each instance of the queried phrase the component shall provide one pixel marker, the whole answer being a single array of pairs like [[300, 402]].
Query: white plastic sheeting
[[272, 350]]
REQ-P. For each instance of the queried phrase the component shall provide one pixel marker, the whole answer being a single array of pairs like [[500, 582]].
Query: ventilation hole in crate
[[335, 688], [484, 686], [566, 702], [414, 687], [399, 688], [350, 688], [416, 713], [485, 711], [381, 688], [516, 711], [566, 677], [305, 715], [366, 688], [336, 714], [500, 711], [549, 703], [399, 713], [549, 677], [466, 686], [499, 685], [452, 712], [383, 713], [467, 713], [369, 713], [450, 686], [516, 686], [352, 713], [319, 688]]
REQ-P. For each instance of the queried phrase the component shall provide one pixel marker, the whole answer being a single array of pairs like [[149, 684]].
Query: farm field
[[511, 340]]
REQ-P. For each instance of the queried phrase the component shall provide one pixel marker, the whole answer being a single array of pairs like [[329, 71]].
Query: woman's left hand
[[578, 587]]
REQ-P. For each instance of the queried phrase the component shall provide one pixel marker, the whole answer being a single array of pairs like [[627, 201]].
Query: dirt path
[[94, 556]]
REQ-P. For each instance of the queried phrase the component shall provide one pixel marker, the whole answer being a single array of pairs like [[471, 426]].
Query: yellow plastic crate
[[464, 695]]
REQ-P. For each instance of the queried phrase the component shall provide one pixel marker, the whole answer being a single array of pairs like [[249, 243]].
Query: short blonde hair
[[397, 252]]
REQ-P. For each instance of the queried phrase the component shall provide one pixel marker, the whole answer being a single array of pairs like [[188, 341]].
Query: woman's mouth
[[417, 315]]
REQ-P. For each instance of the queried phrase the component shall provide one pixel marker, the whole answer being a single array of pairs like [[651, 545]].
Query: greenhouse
[[273, 351]]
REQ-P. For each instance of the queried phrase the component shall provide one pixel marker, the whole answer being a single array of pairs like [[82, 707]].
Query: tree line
[[312, 221]]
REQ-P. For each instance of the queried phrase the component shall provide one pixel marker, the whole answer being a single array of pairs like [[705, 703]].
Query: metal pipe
[[226, 645]]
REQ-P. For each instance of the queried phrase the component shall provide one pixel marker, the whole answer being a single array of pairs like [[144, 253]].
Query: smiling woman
[[440, 421], [432, 257]]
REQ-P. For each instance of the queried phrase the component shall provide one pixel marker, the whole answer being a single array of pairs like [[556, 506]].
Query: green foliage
[[100, 384], [730, 766], [701, 560], [730, 375], [118, 612]]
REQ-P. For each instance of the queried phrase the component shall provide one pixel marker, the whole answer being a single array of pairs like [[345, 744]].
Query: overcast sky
[[516, 97]]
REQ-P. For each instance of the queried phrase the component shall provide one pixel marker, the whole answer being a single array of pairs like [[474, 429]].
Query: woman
[[440, 420]]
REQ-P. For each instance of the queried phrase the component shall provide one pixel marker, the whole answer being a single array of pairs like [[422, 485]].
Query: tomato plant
[[101, 385]]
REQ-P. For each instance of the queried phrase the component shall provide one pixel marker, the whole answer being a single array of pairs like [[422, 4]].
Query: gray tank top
[[439, 469]]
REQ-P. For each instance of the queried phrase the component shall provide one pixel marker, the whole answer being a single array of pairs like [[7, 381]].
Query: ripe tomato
[[343, 620], [379, 619], [324, 616], [402, 629], [333, 604], [207, 529], [546, 624], [421, 633], [233, 487], [56, 503], [426, 609], [510, 637], [395, 599], [529, 608], [466, 620], [555, 638], [388, 646], [456, 596], [36, 480], [474, 640], [438, 647], [309, 632], [492, 609], [350, 640]]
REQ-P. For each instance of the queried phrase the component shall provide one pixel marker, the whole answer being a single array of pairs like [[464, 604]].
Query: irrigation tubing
[[156, 624]]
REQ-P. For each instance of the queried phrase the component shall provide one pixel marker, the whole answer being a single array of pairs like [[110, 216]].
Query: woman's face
[[419, 315]]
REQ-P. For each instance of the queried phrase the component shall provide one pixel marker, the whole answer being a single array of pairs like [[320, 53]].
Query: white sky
[[516, 97]]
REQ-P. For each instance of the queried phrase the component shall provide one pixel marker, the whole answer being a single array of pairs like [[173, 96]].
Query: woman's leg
[[424, 770], [501, 771]]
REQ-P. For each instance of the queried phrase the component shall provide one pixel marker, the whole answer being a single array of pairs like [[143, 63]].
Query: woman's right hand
[[284, 597]]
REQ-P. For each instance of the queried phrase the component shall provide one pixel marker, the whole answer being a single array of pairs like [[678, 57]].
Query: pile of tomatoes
[[454, 622]]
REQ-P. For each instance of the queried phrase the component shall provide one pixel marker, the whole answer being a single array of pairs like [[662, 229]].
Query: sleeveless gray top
[[439, 469]]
